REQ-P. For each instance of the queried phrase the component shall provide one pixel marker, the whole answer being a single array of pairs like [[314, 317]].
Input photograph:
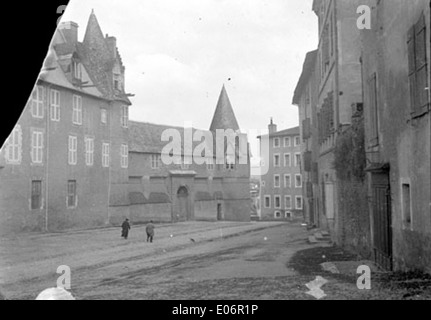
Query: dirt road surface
[[187, 261]]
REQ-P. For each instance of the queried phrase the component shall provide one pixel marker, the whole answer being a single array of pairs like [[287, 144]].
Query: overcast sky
[[178, 54]]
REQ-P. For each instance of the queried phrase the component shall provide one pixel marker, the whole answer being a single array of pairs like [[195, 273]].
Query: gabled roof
[[53, 73], [224, 117], [307, 71], [96, 57], [147, 137]]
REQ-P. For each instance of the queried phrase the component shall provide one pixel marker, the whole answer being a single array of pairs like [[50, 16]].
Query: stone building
[[396, 73], [368, 140], [305, 98], [65, 165], [281, 180], [339, 86], [217, 189], [328, 93]]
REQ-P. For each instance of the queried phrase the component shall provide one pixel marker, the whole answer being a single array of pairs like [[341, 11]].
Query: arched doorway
[[183, 204]]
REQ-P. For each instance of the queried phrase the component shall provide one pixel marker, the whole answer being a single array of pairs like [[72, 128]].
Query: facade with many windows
[[66, 161], [397, 120], [74, 160], [281, 186], [364, 108]]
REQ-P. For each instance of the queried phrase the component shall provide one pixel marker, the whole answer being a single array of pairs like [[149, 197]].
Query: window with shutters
[[37, 147], [306, 129], [307, 161], [77, 110], [89, 151], [124, 156], [36, 102], [326, 124], [418, 74], [13, 146], [106, 155], [373, 109], [73, 151], [55, 105], [125, 116], [325, 50]]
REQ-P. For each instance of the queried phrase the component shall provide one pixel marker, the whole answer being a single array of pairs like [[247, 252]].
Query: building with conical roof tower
[[214, 190], [75, 161], [66, 161], [224, 117]]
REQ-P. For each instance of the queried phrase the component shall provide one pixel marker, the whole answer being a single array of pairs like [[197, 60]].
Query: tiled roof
[[95, 55], [147, 137], [53, 73], [224, 117]]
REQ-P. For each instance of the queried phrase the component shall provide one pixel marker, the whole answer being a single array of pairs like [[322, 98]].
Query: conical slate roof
[[224, 117], [93, 32]]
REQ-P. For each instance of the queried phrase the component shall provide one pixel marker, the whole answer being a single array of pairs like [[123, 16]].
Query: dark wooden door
[[382, 220]]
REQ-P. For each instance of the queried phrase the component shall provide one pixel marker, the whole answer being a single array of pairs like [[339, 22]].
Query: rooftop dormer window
[[117, 82], [76, 70]]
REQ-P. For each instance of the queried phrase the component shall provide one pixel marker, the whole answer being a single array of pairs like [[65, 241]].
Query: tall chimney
[[70, 31], [112, 45], [272, 128]]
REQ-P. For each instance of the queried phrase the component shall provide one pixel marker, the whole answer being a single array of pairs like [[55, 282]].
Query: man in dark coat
[[150, 231], [126, 227]]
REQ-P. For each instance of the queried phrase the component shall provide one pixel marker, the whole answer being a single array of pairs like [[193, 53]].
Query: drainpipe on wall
[[110, 165], [47, 100]]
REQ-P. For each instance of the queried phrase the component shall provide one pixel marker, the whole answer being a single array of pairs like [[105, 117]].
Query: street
[[187, 261]]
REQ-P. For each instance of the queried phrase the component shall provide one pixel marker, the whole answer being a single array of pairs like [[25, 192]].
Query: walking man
[[150, 231], [126, 227]]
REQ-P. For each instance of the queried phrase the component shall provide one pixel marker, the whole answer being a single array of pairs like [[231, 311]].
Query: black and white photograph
[[219, 150]]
